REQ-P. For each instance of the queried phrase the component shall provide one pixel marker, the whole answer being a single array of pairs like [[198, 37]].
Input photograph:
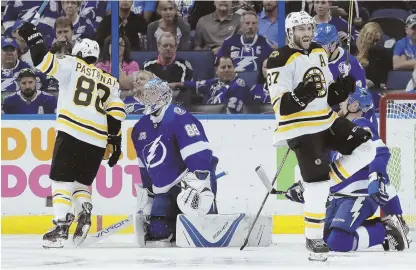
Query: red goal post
[[398, 131]]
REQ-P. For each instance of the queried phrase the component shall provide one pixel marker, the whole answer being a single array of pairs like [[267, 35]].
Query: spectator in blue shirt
[[411, 86], [268, 27], [323, 15], [248, 49], [83, 27], [27, 100], [11, 65], [404, 52]]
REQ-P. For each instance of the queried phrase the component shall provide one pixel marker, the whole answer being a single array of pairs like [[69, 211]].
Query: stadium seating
[[258, 109], [392, 21], [398, 79], [249, 77], [206, 109], [201, 61]]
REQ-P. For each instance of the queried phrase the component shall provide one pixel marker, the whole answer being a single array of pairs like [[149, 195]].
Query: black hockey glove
[[305, 93], [114, 141], [295, 193], [340, 90], [30, 34]]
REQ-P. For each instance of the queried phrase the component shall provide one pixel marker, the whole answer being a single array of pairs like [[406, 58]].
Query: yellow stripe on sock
[[314, 215], [82, 196], [62, 201], [314, 225], [63, 191]]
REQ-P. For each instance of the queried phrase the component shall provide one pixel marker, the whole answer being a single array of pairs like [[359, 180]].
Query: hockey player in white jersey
[[357, 198], [302, 91], [89, 117]]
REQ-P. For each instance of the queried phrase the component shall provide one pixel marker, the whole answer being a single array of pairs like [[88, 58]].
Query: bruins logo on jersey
[[314, 74]]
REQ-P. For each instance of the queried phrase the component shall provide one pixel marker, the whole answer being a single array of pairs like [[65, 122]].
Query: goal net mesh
[[398, 131]]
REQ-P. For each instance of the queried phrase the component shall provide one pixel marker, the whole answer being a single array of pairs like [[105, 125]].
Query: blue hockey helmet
[[364, 98], [156, 93], [326, 34]]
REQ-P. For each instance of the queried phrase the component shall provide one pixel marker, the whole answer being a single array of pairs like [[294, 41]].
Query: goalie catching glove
[[197, 198]]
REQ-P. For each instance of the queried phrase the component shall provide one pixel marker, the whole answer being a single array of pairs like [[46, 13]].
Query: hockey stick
[[265, 199], [124, 223], [347, 60], [35, 20], [265, 180]]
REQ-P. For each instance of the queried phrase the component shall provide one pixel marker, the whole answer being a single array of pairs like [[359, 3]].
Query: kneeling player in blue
[[171, 145], [357, 198]]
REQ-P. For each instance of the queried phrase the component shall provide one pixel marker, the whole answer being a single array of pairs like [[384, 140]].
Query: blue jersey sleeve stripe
[[194, 148]]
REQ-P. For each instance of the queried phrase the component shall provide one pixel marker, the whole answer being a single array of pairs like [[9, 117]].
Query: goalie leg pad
[[222, 231]]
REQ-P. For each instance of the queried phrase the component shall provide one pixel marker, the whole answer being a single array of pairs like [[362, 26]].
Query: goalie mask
[[156, 93], [86, 49]]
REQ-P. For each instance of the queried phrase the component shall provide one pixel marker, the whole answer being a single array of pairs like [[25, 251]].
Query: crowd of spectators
[[168, 38]]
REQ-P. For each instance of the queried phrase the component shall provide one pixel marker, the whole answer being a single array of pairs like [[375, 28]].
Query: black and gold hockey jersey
[[286, 68], [86, 96]]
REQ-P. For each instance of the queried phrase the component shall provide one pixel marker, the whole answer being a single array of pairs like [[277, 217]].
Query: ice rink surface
[[118, 252]]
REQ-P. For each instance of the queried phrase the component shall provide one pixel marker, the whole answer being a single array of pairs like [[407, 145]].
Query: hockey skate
[[396, 236], [318, 248], [84, 224], [55, 238]]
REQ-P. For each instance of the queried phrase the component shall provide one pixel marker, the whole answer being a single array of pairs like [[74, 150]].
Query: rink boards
[[240, 142]]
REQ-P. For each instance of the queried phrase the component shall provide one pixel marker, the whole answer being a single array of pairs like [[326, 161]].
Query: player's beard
[[28, 92], [302, 42]]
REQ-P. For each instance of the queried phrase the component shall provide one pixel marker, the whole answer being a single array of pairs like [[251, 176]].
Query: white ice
[[118, 252]]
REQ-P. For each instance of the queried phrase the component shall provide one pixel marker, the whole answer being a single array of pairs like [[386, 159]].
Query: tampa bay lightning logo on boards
[[154, 153]]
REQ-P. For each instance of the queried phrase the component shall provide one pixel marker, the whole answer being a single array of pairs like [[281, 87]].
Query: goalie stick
[[265, 199], [266, 182], [141, 195]]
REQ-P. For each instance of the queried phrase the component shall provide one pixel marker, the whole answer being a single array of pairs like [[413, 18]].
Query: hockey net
[[398, 131]]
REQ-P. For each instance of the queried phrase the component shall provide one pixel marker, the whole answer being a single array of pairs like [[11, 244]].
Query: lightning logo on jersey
[[355, 210], [246, 55], [151, 149]]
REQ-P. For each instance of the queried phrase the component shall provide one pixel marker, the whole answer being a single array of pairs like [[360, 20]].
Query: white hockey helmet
[[86, 48], [296, 19]]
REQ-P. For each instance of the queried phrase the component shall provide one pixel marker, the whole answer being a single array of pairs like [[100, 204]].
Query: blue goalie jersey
[[169, 149], [357, 183], [246, 56]]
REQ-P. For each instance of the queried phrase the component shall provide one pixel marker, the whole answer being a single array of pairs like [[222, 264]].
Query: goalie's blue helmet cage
[[325, 34]]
